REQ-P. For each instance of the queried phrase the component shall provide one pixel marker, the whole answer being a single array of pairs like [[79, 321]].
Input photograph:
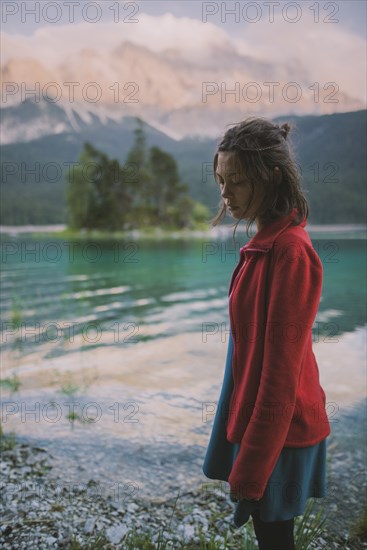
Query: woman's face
[[234, 185]]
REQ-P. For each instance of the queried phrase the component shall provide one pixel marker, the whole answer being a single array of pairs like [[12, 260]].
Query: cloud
[[52, 45], [326, 52]]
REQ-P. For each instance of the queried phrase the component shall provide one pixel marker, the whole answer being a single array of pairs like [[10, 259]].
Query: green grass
[[12, 383], [98, 544], [16, 316], [67, 386], [307, 528], [69, 389], [16, 319], [7, 441], [359, 528]]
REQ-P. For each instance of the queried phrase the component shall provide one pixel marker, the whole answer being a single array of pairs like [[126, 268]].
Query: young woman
[[269, 434]]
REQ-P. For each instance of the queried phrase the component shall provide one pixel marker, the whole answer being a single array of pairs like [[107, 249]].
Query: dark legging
[[275, 535]]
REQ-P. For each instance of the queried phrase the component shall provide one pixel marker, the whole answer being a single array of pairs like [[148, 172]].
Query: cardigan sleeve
[[294, 291]]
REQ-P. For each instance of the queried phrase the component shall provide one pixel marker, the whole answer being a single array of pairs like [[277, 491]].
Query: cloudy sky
[[330, 43], [350, 13]]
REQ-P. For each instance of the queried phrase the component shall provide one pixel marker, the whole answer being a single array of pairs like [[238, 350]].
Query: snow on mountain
[[175, 93]]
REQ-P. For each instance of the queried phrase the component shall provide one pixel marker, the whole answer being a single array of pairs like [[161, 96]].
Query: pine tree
[[166, 188], [135, 168], [146, 191], [97, 195]]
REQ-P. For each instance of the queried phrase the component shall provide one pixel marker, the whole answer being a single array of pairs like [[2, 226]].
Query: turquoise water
[[171, 286], [157, 292]]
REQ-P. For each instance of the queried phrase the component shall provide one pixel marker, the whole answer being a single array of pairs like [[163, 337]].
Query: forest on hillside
[[35, 183]]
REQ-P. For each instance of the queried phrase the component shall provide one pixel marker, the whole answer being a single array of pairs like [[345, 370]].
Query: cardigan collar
[[264, 239]]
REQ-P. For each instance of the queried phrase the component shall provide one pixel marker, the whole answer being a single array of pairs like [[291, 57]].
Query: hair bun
[[285, 129]]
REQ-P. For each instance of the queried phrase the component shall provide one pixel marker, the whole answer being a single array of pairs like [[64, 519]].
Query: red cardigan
[[277, 400]]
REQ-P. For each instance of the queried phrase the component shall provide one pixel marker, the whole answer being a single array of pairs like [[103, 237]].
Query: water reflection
[[134, 331]]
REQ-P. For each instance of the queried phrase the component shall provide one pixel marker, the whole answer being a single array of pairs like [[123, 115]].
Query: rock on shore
[[40, 512]]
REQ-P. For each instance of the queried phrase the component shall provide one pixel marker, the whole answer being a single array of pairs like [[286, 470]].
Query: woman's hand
[[240, 491], [236, 498]]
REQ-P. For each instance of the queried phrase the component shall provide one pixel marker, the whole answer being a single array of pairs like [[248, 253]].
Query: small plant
[[12, 383], [359, 528], [69, 389], [211, 544], [309, 526], [249, 540], [99, 544], [72, 416], [7, 441], [16, 316], [57, 507]]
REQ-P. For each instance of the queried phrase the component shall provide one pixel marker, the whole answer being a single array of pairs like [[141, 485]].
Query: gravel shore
[[39, 511]]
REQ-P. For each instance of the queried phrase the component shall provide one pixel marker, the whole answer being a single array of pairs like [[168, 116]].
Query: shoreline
[[40, 511], [220, 232]]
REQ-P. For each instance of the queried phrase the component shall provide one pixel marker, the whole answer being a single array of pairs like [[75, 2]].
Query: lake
[[129, 339]]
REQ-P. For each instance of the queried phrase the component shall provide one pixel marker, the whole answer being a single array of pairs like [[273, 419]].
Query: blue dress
[[300, 473]]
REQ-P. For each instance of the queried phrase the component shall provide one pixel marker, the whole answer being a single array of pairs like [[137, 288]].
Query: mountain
[[330, 150], [184, 96]]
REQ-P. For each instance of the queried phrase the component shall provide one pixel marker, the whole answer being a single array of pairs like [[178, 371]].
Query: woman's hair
[[260, 146]]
